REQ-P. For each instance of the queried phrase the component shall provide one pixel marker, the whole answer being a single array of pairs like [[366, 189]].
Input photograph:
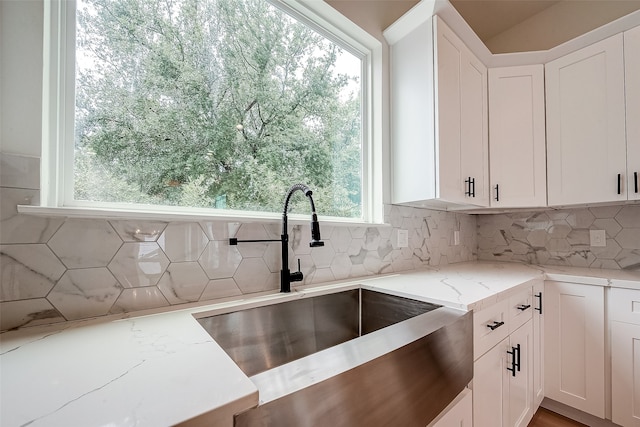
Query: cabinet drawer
[[624, 305], [490, 326], [520, 309]]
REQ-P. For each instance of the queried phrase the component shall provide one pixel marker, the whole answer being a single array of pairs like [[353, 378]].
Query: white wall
[[21, 77]]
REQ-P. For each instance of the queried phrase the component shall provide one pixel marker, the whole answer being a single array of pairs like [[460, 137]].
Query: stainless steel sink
[[262, 338], [355, 357]]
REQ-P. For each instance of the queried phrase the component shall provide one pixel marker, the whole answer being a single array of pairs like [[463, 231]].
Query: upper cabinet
[[586, 144], [517, 137], [461, 120], [632, 90], [439, 136], [537, 129]]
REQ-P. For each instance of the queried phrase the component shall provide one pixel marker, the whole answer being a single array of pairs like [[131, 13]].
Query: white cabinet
[[586, 142], [491, 386], [490, 326], [439, 123], [538, 344], [575, 345], [517, 153], [586, 148], [625, 374], [458, 414], [625, 356], [503, 382], [461, 120], [632, 90], [504, 385], [520, 410]]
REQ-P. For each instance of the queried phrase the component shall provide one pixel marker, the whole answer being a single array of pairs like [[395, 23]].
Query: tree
[[193, 101]]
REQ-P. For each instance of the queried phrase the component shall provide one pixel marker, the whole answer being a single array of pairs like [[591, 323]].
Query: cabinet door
[[586, 148], [474, 128], [520, 408], [461, 120], [625, 374], [574, 345], [517, 137], [538, 344], [632, 89], [491, 387]]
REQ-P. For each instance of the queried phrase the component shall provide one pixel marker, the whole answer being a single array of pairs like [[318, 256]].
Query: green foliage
[[185, 102]]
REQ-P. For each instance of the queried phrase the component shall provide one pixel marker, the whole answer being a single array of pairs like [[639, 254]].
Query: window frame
[[57, 176]]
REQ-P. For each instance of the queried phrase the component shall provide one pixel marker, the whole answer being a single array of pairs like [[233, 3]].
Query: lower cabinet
[[538, 344], [458, 414], [575, 346], [625, 356], [503, 381], [507, 368], [529, 347], [625, 374]]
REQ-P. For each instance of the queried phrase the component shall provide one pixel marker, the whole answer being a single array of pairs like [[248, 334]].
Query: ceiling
[[488, 18], [503, 25], [525, 25]]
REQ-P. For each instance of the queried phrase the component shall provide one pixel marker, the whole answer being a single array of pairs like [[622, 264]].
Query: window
[[208, 104]]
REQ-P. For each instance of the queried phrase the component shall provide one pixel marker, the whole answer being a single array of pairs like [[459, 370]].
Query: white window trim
[[58, 124]]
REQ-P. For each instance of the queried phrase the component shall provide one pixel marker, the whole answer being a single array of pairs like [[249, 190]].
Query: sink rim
[[255, 301], [310, 291]]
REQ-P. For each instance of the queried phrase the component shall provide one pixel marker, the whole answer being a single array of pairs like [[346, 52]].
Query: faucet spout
[[286, 277]]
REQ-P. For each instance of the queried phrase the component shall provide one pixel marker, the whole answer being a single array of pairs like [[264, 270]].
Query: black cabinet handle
[[495, 325], [635, 180], [497, 193], [523, 307], [471, 182], [619, 184], [515, 360], [539, 296]]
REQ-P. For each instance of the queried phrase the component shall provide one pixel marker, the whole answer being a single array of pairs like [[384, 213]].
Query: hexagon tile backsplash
[[55, 269], [562, 237]]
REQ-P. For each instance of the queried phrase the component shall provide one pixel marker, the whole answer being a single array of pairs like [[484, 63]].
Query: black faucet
[[286, 277]]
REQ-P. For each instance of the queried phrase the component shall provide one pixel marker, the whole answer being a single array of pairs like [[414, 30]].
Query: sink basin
[[350, 358], [262, 338]]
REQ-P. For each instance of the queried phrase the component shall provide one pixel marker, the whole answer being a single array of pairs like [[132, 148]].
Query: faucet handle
[[296, 276]]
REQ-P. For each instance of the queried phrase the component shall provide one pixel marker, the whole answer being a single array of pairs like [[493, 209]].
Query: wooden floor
[[545, 418]]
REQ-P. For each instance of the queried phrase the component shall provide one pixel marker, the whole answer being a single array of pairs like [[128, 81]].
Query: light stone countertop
[[162, 368]]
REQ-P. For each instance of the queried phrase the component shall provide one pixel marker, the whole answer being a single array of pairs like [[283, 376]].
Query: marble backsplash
[[562, 237], [58, 269]]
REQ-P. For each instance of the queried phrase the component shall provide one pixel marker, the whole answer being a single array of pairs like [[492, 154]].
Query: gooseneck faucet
[[286, 277]]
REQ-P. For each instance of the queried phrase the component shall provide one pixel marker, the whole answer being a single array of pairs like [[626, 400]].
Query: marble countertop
[[162, 368]]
